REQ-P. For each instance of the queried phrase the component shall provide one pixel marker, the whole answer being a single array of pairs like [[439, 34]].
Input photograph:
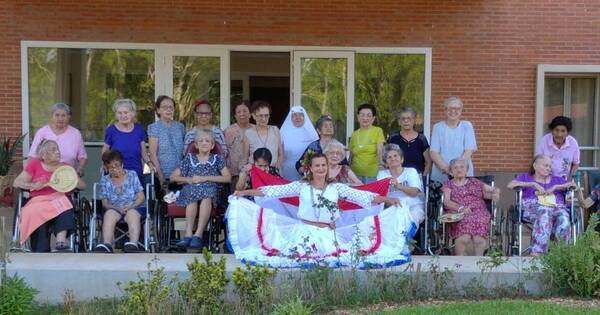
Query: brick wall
[[484, 51]]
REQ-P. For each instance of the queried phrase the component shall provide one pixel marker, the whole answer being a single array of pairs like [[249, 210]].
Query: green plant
[[16, 296], [575, 269], [206, 284], [147, 295], [294, 306], [8, 151], [254, 285]]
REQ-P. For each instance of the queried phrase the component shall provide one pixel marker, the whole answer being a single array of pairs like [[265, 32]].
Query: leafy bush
[[16, 296], [202, 292], [294, 306], [254, 286], [146, 295], [575, 269]]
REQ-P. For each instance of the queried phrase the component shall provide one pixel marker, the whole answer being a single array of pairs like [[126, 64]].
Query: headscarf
[[295, 140]]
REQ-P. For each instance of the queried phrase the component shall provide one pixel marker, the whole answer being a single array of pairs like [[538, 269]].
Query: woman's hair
[[61, 106], [162, 98], [256, 105], [332, 145], [127, 102], [204, 132], [111, 155], [561, 121], [242, 103], [43, 147], [262, 153], [456, 160], [368, 106], [200, 102], [392, 147], [406, 109], [453, 100], [536, 158], [322, 120]]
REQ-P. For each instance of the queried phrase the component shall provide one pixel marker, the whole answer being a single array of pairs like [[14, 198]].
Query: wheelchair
[[439, 241], [77, 239], [590, 180], [147, 242]]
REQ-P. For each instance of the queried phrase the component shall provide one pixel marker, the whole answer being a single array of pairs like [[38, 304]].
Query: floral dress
[[192, 166], [476, 223]]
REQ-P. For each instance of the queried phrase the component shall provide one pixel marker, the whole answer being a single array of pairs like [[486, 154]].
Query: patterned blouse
[[120, 196]]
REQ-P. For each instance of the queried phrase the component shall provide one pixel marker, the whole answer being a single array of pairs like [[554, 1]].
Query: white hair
[[453, 100], [124, 102], [60, 106], [332, 145]]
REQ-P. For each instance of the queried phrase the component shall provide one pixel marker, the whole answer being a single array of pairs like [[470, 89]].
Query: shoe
[[61, 247], [185, 242], [131, 247], [103, 248], [196, 243]]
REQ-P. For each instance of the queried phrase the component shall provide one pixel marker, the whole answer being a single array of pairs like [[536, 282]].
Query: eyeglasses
[[335, 153], [262, 116], [204, 113], [454, 109], [168, 107]]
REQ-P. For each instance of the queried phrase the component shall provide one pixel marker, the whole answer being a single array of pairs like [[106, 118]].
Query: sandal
[[103, 248], [131, 247]]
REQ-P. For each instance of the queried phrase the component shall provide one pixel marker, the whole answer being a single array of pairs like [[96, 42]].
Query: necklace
[[316, 207], [264, 143]]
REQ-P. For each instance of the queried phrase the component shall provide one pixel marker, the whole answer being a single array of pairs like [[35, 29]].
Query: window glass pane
[[390, 81], [324, 91], [196, 78], [583, 110], [89, 80], [586, 158], [554, 99]]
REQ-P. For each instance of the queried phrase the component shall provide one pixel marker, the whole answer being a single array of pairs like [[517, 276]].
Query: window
[[89, 80]]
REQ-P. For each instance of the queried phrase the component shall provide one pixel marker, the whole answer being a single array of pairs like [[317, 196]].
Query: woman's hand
[[393, 202], [466, 210], [37, 186], [239, 193], [198, 179], [496, 194], [539, 189]]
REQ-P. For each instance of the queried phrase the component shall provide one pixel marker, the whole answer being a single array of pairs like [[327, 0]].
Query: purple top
[[562, 157], [128, 144], [529, 192]]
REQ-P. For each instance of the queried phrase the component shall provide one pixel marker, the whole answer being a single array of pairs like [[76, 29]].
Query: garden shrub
[[255, 287], [147, 295], [294, 306], [16, 296]]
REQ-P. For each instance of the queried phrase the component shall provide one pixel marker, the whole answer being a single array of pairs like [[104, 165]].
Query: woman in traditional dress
[[297, 132]]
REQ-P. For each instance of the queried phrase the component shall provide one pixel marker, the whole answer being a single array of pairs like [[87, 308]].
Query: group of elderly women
[[200, 161]]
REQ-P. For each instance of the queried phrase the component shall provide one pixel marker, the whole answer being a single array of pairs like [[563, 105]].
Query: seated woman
[[44, 218], [338, 172], [262, 160], [405, 184], [122, 198], [200, 175], [279, 238], [466, 195], [544, 203]]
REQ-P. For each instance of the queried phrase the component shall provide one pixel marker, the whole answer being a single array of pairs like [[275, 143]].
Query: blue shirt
[[128, 144], [120, 197], [170, 144]]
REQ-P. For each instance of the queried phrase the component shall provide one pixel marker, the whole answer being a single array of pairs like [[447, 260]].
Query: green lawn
[[494, 307]]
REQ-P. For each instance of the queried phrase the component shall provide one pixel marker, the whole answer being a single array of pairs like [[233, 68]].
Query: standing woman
[[452, 138], [414, 144], [326, 130], [263, 135], [234, 138], [562, 148], [297, 132], [366, 145], [204, 117], [68, 138], [165, 138], [127, 137]]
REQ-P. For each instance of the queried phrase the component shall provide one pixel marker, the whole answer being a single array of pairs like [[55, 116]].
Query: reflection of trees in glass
[[89, 80], [324, 90], [389, 81], [196, 78]]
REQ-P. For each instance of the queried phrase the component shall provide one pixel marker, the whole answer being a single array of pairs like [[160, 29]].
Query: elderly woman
[[405, 183], [544, 203], [35, 178], [560, 147], [165, 139], [466, 195], [366, 145], [68, 138], [326, 130], [414, 144], [204, 117], [127, 137], [263, 135], [297, 132], [234, 138], [450, 139], [338, 172]]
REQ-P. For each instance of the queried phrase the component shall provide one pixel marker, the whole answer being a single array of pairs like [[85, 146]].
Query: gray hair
[[61, 106], [392, 147], [453, 100], [406, 109], [456, 160], [322, 120], [332, 145], [127, 102], [43, 147], [199, 133]]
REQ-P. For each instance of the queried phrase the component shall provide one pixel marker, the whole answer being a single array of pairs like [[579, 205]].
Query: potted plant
[[8, 152]]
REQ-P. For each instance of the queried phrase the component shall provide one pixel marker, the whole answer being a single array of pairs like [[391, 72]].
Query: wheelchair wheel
[[82, 218]]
